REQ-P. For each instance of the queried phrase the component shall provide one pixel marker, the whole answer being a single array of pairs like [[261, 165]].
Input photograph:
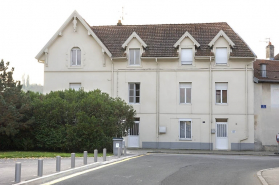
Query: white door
[[133, 135], [221, 136]]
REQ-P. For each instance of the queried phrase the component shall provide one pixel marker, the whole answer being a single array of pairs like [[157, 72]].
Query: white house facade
[[190, 84]]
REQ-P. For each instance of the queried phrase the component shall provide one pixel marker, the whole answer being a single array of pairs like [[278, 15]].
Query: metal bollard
[[104, 154], [123, 146], [58, 163], [73, 155], [119, 152], [40, 167], [85, 157], [95, 155], [17, 172], [125, 150]]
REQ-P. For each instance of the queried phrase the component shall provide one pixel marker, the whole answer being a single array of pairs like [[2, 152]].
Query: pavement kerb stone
[[204, 153], [57, 175], [261, 178]]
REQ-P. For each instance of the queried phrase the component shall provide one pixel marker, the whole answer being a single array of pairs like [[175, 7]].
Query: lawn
[[37, 154]]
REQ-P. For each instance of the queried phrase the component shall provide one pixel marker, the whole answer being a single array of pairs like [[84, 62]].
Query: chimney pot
[[270, 51], [119, 23]]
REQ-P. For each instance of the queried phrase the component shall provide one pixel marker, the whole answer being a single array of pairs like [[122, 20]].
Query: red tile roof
[[161, 38], [276, 57], [272, 70]]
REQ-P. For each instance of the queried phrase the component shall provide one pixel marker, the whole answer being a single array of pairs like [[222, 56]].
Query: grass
[[37, 154]]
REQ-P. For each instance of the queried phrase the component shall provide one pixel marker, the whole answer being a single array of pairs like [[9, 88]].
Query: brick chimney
[[270, 51], [119, 23]]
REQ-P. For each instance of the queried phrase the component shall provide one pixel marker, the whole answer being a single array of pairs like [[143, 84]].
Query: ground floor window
[[134, 130], [185, 129]]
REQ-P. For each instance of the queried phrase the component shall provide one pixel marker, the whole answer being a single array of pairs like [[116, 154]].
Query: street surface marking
[[86, 171]]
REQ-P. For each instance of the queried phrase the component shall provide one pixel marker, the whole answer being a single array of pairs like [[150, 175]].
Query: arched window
[[75, 57]]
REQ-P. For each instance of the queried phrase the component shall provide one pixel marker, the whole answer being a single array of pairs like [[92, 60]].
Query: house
[[266, 78], [190, 84]]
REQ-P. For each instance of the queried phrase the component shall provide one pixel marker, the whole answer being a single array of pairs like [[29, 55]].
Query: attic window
[[263, 70], [134, 57], [186, 56], [221, 56], [75, 57]]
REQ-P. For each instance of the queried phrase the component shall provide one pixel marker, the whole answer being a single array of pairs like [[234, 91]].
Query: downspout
[[246, 106], [112, 79], [157, 104], [210, 106]]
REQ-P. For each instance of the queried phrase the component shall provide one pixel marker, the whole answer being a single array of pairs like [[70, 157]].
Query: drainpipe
[[246, 106], [157, 104], [112, 79], [210, 106]]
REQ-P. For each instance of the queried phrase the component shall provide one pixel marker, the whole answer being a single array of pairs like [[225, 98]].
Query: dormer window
[[76, 57], [221, 55], [263, 70], [134, 57], [186, 56]]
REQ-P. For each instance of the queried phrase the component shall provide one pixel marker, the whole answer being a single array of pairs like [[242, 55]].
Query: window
[[221, 56], [186, 56], [75, 57], [134, 93], [75, 86], [185, 92], [221, 92], [134, 56], [263, 70], [185, 129], [134, 130]]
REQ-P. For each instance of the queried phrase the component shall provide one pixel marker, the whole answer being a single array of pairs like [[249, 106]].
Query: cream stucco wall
[[159, 89]]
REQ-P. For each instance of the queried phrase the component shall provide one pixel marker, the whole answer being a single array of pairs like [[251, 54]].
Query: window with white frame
[[221, 93], [185, 92], [134, 92], [75, 57], [75, 86], [263, 70], [134, 56], [221, 56], [185, 129], [186, 56]]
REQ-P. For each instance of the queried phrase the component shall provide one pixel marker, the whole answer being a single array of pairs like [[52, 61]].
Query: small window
[[221, 56], [186, 56], [134, 130], [75, 86], [75, 57], [134, 93], [185, 92], [263, 70], [134, 56], [221, 93], [185, 129]]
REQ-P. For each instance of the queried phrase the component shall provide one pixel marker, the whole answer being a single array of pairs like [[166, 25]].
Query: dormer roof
[[134, 35], [185, 35], [221, 34]]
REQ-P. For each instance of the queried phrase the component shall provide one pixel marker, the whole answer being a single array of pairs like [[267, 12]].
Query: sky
[[27, 25]]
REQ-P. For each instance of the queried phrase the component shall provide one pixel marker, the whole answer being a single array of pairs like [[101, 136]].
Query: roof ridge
[[160, 24]]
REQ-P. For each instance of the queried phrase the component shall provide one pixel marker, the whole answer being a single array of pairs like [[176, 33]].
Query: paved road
[[179, 169]]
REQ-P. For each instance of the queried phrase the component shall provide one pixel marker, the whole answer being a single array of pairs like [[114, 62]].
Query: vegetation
[[69, 121]]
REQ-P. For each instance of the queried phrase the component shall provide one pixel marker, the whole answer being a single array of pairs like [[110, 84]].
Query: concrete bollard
[[104, 154], [119, 152], [40, 167], [125, 150], [95, 155], [17, 172], [73, 155], [85, 157], [58, 163]]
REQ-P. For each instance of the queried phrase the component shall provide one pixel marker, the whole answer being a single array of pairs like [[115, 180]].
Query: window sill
[[189, 104], [180, 139], [134, 66], [134, 103], [222, 104], [75, 67]]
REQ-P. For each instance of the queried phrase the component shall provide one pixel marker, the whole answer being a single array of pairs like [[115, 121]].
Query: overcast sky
[[27, 25]]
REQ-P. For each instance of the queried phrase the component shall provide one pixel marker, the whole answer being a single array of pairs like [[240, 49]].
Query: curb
[[161, 152], [261, 178], [50, 177]]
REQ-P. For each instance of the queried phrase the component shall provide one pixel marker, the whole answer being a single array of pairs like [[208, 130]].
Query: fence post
[[40, 167], [17, 172], [73, 155], [58, 163], [104, 154], [95, 155], [85, 157], [119, 152]]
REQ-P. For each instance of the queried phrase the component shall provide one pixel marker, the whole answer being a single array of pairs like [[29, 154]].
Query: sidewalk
[[269, 176]]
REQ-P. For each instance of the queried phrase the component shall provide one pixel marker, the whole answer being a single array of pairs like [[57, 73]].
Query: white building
[[190, 84]]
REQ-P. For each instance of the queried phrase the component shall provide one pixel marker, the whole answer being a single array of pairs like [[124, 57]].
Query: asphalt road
[[179, 169]]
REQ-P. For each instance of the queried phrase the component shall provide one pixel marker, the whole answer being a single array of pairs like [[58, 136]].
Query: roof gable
[[134, 35], [74, 15], [221, 34], [186, 34]]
